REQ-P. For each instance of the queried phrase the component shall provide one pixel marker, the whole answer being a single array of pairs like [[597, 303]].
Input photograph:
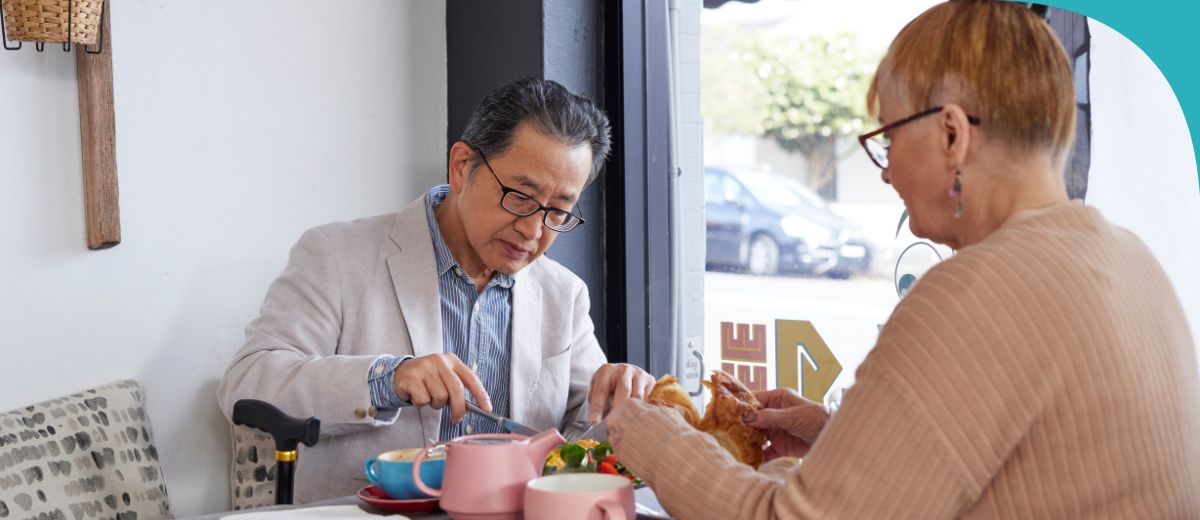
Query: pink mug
[[586, 496]]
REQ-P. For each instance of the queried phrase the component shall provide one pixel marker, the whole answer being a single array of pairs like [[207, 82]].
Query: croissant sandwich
[[667, 392], [731, 401]]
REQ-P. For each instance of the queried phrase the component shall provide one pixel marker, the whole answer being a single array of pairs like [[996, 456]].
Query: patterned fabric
[[381, 377], [85, 455], [476, 326], [252, 479]]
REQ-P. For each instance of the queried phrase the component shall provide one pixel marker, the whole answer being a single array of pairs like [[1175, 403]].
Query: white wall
[[1143, 172], [239, 125]]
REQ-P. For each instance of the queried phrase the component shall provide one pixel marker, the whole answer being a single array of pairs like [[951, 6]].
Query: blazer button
[[372, 411], [360, 413]]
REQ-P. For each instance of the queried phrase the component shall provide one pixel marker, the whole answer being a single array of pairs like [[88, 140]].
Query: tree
[[804, 93]]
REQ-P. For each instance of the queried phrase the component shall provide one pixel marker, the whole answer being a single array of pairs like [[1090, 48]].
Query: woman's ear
[[956, 132], [459, 168]]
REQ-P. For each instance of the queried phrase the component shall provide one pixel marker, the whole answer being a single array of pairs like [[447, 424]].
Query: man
[[381, 325]]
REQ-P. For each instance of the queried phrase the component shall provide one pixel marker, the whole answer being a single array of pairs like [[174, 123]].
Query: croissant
[[731, 401], [667, 392]]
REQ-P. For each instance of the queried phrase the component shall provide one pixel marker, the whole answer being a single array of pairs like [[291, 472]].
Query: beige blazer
[[353, 291]]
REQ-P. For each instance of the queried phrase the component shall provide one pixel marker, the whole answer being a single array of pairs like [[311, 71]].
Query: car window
[[770, 191], [805, 193], [712, 189], [731, 189]]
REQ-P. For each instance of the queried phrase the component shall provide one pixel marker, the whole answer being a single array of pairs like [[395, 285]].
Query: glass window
[[732, 190], [804, 270], [713, 194]]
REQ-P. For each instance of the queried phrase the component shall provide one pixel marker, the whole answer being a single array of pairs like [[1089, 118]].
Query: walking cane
[[287, 431]]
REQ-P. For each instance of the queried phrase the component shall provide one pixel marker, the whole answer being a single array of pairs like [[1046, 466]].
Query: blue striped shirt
[[476, 327]]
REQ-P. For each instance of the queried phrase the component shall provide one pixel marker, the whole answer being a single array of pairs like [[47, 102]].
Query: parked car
[[757, 223], [854, 253]]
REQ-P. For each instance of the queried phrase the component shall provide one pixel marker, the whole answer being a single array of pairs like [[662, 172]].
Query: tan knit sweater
[[1046, 372]]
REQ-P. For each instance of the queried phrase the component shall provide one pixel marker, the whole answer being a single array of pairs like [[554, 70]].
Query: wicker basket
[[46, 20]]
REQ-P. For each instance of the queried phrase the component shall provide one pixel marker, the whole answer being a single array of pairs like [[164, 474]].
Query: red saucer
[[376, 498]]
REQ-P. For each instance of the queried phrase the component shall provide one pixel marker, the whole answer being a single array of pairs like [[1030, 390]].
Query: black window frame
[[639, 208]]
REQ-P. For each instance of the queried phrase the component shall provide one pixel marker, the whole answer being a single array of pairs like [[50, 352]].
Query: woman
[[1045, 371]]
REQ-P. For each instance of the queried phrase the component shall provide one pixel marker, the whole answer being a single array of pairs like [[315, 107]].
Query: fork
[[576, 430], [582, 429]]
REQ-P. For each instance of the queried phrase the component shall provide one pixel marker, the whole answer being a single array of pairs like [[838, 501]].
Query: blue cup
[[391, 471]]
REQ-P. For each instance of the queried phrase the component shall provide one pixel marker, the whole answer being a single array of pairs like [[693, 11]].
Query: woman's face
[[918, 169]]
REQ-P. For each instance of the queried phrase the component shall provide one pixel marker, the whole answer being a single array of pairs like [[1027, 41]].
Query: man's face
[[549, 171]]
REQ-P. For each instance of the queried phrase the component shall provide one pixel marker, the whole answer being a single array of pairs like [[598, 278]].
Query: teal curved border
[[1164, 30]]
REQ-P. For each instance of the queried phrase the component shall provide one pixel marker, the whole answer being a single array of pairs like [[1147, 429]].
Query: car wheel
[[763, 257]]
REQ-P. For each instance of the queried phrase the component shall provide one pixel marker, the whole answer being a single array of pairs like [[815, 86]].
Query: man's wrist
[[382, 380]]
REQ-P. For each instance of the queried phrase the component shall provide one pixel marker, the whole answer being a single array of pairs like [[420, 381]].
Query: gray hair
[[574, 119]]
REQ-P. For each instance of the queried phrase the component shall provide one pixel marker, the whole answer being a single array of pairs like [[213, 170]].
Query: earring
[[955, 193]]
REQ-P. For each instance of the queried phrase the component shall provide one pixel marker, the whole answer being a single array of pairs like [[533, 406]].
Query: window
[[806, 250]]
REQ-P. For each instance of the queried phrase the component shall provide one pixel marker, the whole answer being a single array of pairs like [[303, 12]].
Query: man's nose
[[884, 176], [530, 226]]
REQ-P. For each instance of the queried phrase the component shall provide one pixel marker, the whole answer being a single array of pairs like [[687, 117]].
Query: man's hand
[[792, 423], [614, 382], [437, 380]]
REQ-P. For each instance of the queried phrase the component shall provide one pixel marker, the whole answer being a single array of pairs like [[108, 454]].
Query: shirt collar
[[445, 259]]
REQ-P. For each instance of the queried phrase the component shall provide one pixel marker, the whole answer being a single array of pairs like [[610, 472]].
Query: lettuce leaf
[[573, 455]]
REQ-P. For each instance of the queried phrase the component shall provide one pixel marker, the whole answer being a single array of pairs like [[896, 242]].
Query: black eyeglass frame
[[570, 222], [864, 138]]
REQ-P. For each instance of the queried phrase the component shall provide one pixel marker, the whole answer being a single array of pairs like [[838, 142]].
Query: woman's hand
[[791, 422], [626, 411], [621, 416]]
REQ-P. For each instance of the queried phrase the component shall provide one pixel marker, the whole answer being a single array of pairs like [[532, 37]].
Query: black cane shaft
[[284, 473]]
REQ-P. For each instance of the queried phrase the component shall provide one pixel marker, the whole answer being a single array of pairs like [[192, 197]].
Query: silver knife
[[504, 422]]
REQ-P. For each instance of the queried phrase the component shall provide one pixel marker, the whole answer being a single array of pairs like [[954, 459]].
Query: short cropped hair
[[549, 107], [1001, 61]]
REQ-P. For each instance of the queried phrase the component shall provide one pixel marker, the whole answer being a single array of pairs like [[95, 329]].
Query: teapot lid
[[491, 440]]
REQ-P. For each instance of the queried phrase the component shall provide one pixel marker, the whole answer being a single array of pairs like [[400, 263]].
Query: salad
[[586, 456]]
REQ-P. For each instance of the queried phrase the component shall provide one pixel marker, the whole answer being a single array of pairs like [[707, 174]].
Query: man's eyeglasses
[[522, 205], [876, 144]]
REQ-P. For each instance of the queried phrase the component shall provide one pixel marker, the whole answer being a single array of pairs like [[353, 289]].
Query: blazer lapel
[[526, 342], [414, 277]]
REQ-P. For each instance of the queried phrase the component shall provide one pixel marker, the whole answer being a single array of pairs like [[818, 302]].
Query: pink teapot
[[486, 474]]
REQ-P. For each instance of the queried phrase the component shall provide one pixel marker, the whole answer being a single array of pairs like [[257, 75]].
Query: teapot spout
[[540, 446]]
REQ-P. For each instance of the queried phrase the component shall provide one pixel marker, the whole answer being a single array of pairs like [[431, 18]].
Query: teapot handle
[[416, 475]]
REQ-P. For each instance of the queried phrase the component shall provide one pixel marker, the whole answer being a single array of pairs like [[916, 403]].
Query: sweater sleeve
[[879, 457]]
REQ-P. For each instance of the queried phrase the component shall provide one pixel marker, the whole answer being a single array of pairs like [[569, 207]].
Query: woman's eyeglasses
[[876, 144]]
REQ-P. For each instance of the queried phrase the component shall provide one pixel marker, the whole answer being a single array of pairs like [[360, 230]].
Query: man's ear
[[459, 168], [956, 132]]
